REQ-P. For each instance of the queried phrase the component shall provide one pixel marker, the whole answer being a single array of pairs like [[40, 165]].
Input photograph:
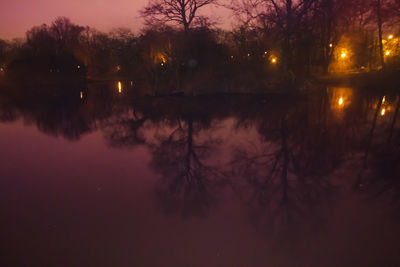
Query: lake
[[96, 175]]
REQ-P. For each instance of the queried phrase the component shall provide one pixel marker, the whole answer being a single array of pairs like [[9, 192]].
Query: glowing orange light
[[131, 83], [248, 54], [340, 102], [384, 100], [274, 60], [81, 95], [160, 58], [331, 45], [343, 55], [266, 52], [118, 68], [383, 112], [387, 53], [391, 36], [78, 67], [119, 87]]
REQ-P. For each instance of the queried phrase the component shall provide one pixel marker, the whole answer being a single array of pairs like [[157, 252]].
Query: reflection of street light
[[119, 87], [383, 112], [340, 102]]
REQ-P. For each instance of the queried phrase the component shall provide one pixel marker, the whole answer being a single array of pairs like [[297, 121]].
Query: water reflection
[[341, 97], [119, 87], [188, 184], [288, 162]]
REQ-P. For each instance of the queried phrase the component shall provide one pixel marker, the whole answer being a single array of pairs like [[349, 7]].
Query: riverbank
[[387, 81]]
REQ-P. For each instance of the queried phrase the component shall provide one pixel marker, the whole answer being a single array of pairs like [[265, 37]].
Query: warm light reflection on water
[[340, 97], [119, 87]]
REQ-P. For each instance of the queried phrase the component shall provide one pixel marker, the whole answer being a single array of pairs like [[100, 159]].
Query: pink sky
[[17, 16]]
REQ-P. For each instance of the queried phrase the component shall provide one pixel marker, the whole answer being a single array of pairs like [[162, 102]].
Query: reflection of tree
[[381, 166], [396, 113], [384, 180], [68, 123], [123, 130], [62, 110], [187, 183], [288, 177], [7, 113]]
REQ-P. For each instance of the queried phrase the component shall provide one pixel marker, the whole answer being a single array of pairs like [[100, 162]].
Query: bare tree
[[380, 23], [329, 20], [182, 12], [286, 15], [65, 33], [380, 13]]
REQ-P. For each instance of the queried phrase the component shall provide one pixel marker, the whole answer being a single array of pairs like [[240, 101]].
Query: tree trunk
[[286, 45], [189, 143], [379, 15]]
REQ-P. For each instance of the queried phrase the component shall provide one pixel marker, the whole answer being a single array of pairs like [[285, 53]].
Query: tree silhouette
[[182, 12], [286, 15]]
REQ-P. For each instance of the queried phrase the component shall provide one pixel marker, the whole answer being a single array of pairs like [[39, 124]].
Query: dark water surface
[[97, 176]]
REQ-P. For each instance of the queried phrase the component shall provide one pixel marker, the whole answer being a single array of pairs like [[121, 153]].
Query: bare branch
[[182, 12]]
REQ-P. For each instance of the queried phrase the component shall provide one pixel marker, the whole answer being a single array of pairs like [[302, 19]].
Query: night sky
[[17, 16]]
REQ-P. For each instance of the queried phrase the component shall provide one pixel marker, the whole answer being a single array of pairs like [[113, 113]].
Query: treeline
[[275, 42]]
